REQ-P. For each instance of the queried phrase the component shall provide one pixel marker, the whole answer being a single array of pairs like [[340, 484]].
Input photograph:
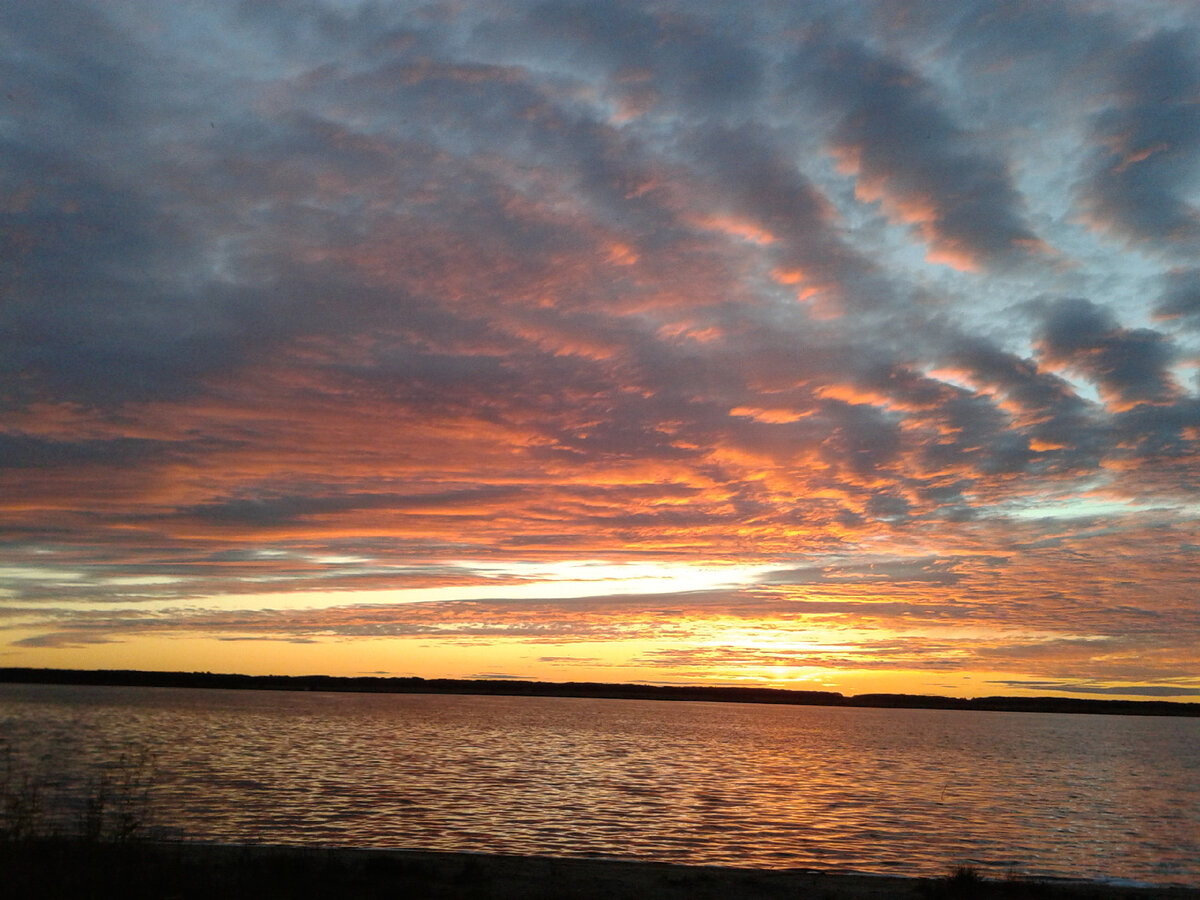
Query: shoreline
[[592, 690], [62, 868]]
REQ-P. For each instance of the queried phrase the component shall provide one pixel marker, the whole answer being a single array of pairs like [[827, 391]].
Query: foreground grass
[[111, 807], [966, 883], [70, 868], [41, 869]]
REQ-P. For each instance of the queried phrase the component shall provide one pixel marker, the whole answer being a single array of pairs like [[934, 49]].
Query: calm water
[[898, 791]]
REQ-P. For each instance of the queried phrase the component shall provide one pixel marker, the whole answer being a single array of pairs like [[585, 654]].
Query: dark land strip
[[515, 688]]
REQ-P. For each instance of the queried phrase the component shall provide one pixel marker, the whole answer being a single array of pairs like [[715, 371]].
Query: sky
[[828, 345]]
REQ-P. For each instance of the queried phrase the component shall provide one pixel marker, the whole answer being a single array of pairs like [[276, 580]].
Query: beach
[[60, 869]]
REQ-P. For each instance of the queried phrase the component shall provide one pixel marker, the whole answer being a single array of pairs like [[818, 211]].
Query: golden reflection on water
[[910, 791]]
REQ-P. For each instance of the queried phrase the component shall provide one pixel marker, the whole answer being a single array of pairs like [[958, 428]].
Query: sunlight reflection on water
[[903, 791]]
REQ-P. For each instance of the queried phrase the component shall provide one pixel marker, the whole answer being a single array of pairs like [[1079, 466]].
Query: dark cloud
[[756, 184], [1131, 365], [1156, 434], [267, 511], [650, 57], [865, 438], [101, 297], [903, 146], [1020, 379], [1180, 298], [1142, 174], [25, 452]]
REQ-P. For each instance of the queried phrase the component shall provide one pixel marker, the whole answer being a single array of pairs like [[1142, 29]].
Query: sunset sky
[[844, 345]]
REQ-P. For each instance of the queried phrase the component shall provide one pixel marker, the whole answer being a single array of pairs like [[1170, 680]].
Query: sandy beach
[[54, 869]]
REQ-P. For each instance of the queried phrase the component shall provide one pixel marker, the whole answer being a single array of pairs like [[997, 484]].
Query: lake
[[910, 792]]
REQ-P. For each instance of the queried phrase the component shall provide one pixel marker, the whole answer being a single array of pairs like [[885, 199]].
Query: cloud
[[1130, 365], [268, 511], [895, 136], [347, 298], [1144, 167], [757, 191], [571, 660], [58, 640], [930, 569], [650, 57], [19, 451], [1135, 690], [500, 675], [1180, 298]]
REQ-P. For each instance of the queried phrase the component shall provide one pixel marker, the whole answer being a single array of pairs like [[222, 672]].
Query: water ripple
[[914, 791]]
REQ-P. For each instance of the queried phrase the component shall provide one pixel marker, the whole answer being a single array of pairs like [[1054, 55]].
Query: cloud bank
[[895, 302]]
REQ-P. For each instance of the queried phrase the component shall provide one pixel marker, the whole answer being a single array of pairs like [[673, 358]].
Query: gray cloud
[[1136, 690], [930, 569], [27, 452], [1132, 364], [1180, 298], [262, 511], [649, 56], [903, 145], [1144, 167]]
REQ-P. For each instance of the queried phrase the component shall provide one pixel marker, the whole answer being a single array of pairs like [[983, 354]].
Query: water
[[872, 790]]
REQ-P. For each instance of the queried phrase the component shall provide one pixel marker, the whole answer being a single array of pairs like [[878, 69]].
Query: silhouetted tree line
[[510, 687]]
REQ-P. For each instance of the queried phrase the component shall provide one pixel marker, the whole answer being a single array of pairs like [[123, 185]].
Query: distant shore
[[512, 687], [54, 869]]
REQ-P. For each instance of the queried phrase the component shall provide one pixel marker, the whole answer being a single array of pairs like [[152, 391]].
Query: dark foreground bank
[[62, 868]]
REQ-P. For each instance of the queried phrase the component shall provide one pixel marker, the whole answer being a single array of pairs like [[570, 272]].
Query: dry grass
[[111, 806]]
